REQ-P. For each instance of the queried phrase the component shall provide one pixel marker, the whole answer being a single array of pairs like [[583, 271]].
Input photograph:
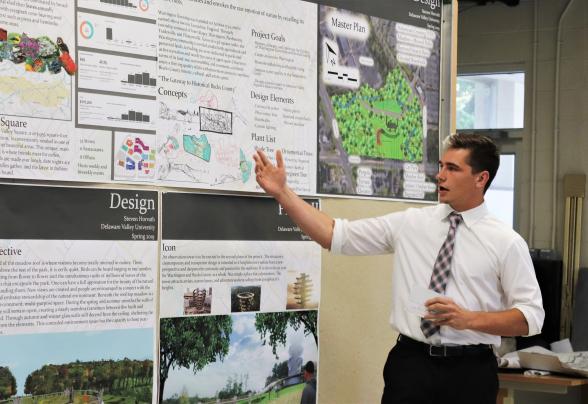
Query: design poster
[[240, 289], [77, 292]]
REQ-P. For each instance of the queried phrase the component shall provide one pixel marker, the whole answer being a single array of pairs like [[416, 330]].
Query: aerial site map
[[379, 105]]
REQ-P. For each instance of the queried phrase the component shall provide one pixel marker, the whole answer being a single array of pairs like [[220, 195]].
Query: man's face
[[458, 185]]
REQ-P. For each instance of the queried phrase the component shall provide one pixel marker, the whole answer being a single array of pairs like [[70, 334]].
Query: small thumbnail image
[[301, 291], [198, 301], [135, 156], [245, 298]]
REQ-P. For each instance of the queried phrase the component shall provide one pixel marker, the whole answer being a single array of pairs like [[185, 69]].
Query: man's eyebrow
[[449, 164]]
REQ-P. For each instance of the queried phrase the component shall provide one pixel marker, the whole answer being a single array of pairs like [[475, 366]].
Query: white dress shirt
[[491, 268]]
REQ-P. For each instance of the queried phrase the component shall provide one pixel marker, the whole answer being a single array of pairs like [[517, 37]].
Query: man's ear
[[482, 179]]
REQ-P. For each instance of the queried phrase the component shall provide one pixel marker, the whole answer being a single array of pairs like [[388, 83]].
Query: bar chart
[[120, 74], [140, 79], [137, 8], [115, 112], [135, 116], [122, 3]]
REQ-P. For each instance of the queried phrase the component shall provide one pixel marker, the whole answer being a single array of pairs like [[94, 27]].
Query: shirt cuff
[[533, 322], [338, 236]]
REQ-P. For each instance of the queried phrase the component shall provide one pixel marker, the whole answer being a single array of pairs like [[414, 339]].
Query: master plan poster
[[239, 296], [77, 294], [378, 129], [236, 76]]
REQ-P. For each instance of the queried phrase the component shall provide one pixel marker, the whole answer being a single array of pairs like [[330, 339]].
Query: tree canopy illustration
[[7, 383], [192, 343], [274, 325]]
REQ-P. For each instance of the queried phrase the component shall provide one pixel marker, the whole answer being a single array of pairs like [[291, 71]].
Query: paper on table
[[541, 361], [417, 298], [511, 359], [554, 362], [562, 346]]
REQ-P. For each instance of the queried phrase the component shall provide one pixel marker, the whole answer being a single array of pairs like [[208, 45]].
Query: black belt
[[444, 350]]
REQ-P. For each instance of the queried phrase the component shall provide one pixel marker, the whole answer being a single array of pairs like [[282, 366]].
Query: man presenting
[[479, 267]]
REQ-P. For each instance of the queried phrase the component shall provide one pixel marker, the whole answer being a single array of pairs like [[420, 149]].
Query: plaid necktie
[[442, 269]]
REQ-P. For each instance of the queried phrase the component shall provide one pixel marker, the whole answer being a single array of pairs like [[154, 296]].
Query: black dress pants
[[413, 376]]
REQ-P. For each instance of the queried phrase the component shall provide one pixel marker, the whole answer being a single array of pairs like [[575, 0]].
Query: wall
[[355, 335], [500, 38]]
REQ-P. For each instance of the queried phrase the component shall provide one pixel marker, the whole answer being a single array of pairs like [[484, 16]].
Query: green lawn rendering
[[45, 400], [79, 399], [123, 381], [381, 123], [291, 394]]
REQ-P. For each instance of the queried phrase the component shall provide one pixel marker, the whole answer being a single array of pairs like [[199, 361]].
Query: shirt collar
[[470, 216]]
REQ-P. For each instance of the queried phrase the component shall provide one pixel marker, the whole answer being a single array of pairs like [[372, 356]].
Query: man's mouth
[[442, 188]]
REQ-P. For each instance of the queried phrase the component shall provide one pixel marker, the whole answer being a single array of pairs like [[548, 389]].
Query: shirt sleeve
[[371, 236], [521, 287]]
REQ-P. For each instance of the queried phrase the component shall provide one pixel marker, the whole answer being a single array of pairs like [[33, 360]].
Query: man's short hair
[[483, 156], [309, 367]]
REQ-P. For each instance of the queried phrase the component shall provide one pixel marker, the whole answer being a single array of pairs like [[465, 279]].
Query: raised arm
[[272, 178]]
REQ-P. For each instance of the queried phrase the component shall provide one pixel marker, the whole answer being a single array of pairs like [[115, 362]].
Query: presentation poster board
[[182, 93], [239, 296], [378, 88], [38, 72], [236, 76], [160, 92], [77, 293]]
